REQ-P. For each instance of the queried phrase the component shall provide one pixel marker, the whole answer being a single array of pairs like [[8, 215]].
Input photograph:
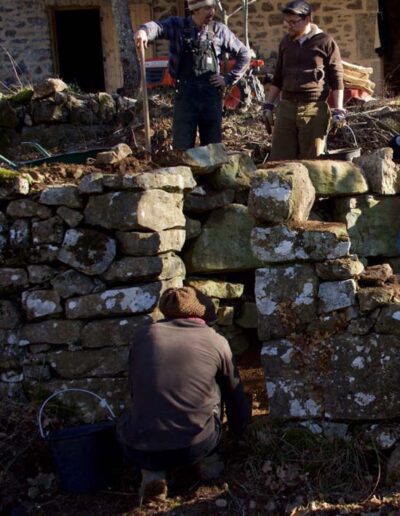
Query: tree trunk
[[127, 50]]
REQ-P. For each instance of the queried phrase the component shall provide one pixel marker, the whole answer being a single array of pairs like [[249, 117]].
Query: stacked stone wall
[[327, 296]]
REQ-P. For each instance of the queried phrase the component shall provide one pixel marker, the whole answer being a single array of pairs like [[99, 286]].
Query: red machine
[[238, 96]]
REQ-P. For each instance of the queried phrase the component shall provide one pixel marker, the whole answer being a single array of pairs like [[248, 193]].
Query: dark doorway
[[389, 32], [78, 46]]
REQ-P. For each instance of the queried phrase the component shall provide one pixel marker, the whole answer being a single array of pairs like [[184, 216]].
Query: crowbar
[[146, 114]]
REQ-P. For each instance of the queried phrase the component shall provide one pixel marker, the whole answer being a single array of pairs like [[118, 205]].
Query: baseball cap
[[297, 7]]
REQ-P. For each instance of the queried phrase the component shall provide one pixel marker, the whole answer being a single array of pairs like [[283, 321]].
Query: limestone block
[[376, 274], [334, 295], [12, 279], [21, 208], [47, 111], [247, 316], [61, 195], [71, 217], [94, 363], [170, 179], [112, 332], [382, 174], [332, 178], [281, 194], [107, 107], [164, 266], [45, 253], [91, 183], [56, 331], [147, 244], [216, 288], [340, 269], [225, 315], [40, 273], [207, 200], [286, 298], [373, 224], [389, 319], [49, 231], [39, 303], [311, 241], [72, 283], [20, 233], [372, 297], [293, 398], [114, 155], [362, 382], [48, 87], [193, 228], [153, 210], [236, 174], [119, 301], [9, 315], [224, 243], [206, 159], [87, 251]]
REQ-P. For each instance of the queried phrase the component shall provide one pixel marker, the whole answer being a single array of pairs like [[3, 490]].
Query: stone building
[[76, 39]]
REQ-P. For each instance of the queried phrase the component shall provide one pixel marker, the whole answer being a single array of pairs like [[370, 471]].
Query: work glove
[[267, 116], [338, 118]]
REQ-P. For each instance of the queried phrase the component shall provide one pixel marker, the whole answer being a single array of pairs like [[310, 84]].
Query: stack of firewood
[[357, 77]]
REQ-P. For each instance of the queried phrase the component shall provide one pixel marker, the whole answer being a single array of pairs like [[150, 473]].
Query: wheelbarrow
[[77, 157]]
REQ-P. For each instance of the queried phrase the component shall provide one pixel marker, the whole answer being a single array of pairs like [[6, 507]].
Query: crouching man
[[179, 371]]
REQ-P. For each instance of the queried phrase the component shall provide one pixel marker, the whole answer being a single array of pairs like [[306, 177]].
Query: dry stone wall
[[300, 256], [327, 317]]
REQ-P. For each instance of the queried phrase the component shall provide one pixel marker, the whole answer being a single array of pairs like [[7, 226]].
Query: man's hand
[[338, 118], [218, 81], [141, 38], [268, 117]]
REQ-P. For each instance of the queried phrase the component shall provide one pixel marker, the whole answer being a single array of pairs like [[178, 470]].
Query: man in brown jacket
[[308, 67], [179, 369]]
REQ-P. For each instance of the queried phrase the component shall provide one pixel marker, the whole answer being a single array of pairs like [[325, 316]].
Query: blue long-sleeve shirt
[[223, 39]]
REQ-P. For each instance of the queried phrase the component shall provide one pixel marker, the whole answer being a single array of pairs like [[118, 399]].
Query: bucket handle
[[103, 403]]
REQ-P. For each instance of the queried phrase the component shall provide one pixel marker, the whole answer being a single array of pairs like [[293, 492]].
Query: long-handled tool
[[146, 114]]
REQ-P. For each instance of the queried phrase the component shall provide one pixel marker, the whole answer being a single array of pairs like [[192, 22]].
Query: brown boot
[[153, 486]]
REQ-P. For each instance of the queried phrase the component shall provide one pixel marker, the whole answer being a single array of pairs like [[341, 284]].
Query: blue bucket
[[85, 456]]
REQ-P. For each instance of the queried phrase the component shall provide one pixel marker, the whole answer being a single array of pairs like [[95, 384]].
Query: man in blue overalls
[[196, 45]]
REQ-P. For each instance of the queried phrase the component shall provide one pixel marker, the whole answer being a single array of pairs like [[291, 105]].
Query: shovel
[[146, 114]]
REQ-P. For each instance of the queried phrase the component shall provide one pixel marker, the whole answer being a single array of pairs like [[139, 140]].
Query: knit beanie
[[196, 4], [177, 303]]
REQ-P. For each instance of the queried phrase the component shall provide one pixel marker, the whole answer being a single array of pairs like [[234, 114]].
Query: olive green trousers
[[300, 130]]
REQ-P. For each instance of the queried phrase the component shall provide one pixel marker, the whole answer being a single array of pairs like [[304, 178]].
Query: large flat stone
[[236, 174], [169, 179], [286, 298], [281, 194], [224, 243], [335, 295], [40, 303], [164, 266], [333, 178], [87, 251], [96, 334], [311, 241], [148, 244], [61, 195], [153, 210], [205, 159], [119, 301], [373, 224], [382, 174], [56, 331], [216, 288], [104, 362]]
